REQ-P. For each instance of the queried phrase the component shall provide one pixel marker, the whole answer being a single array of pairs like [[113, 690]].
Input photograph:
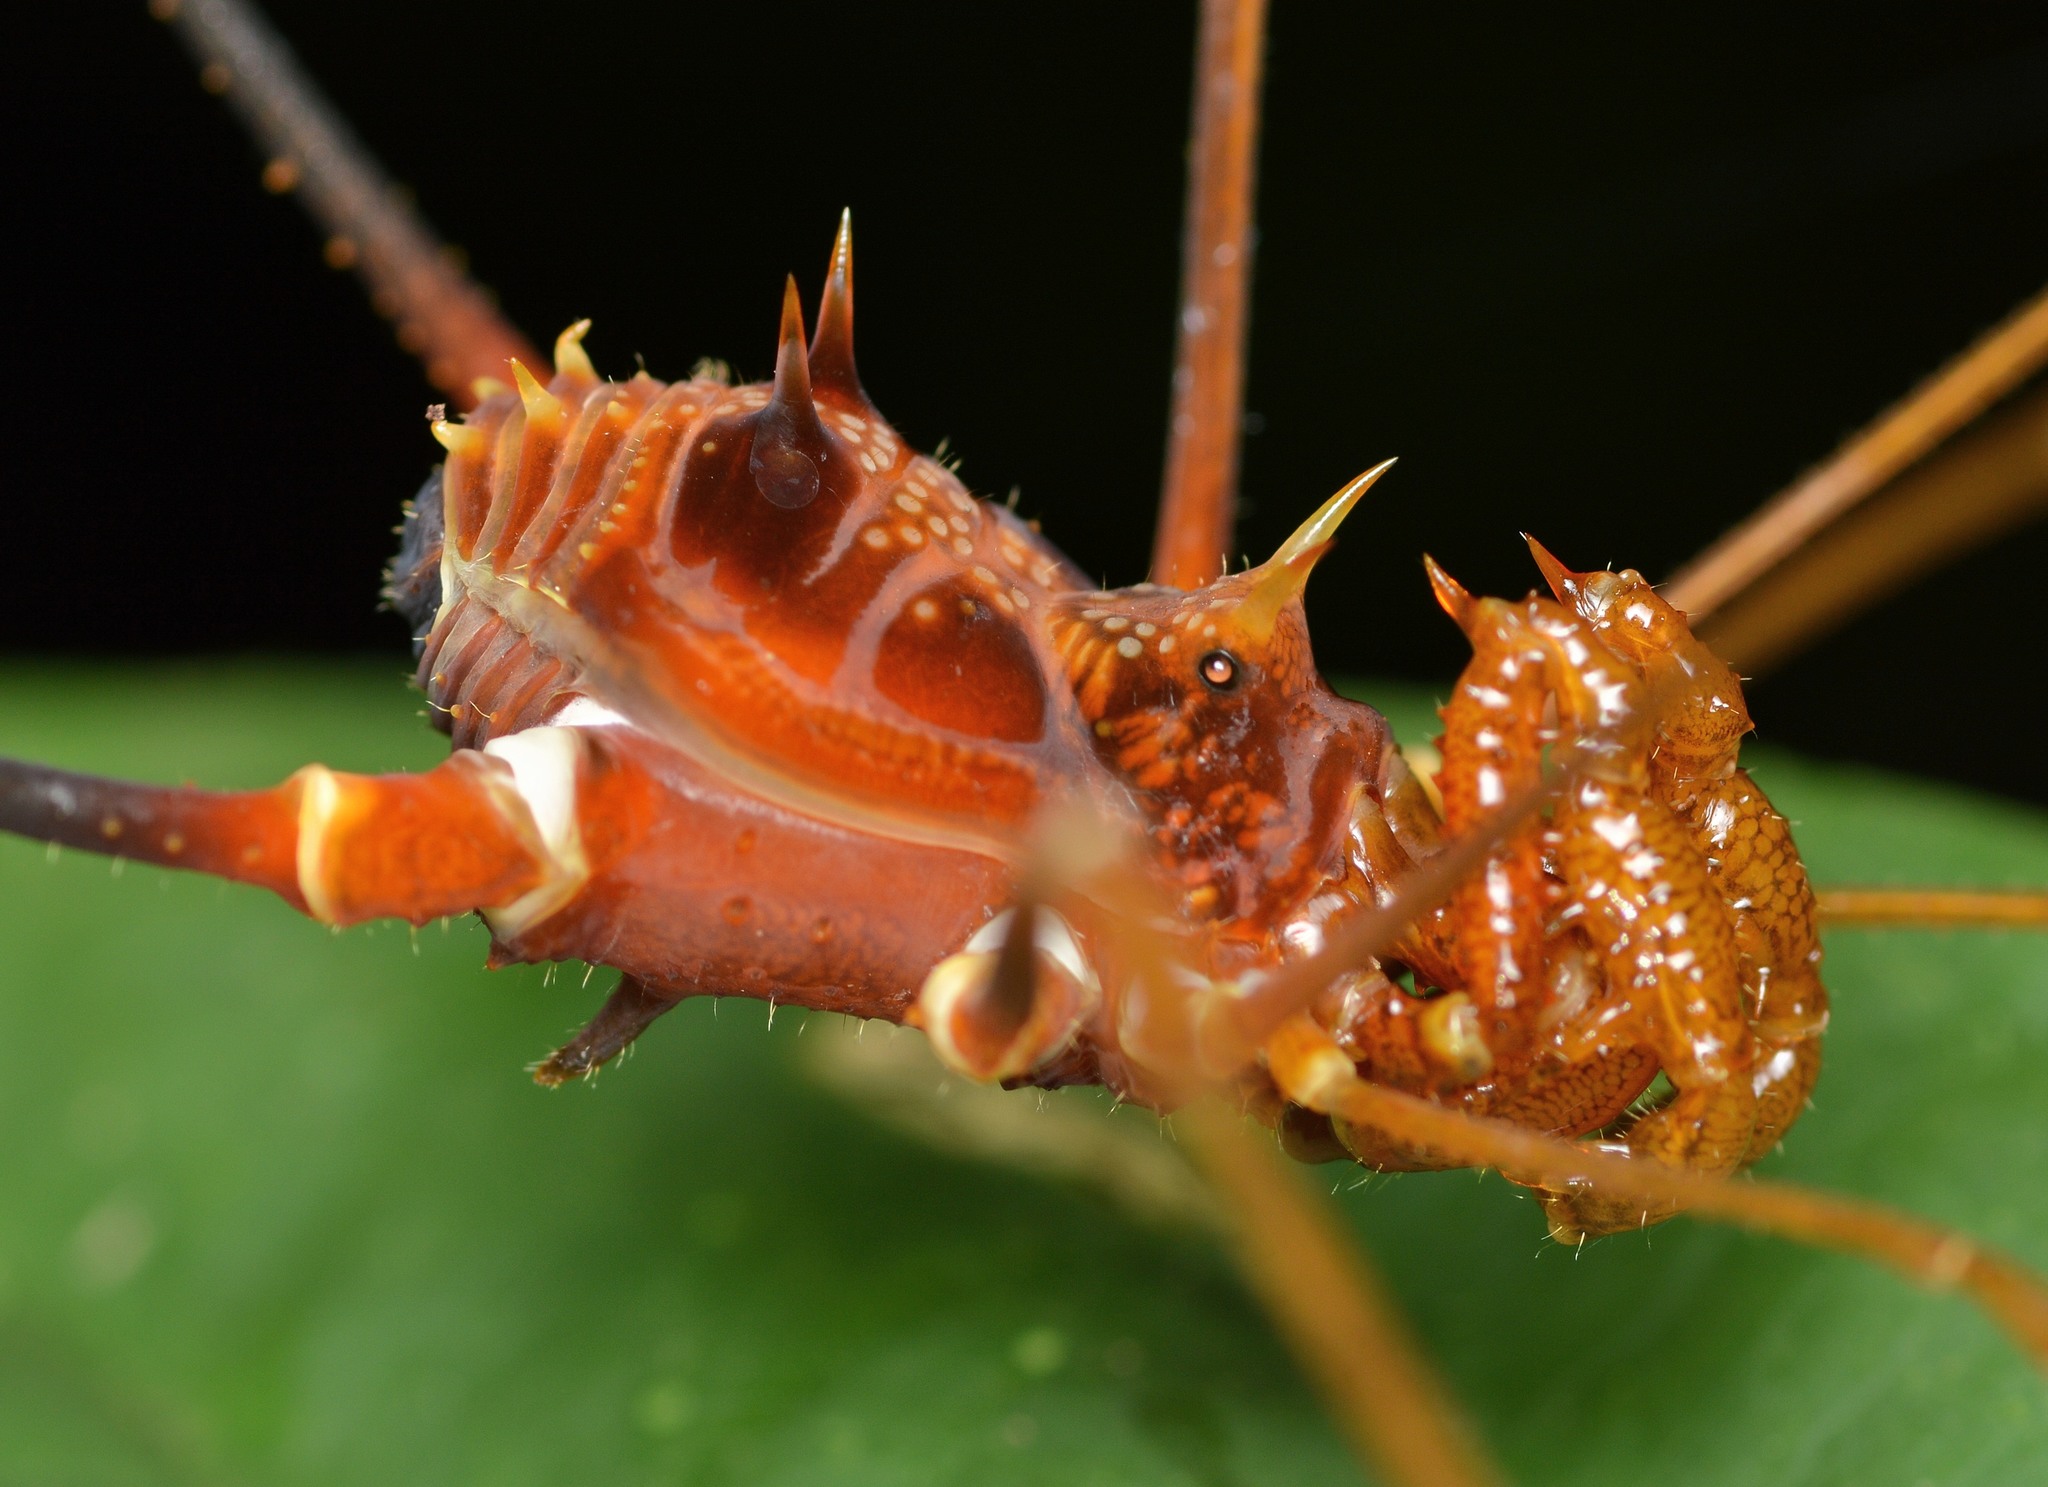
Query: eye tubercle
[[1284, 575]]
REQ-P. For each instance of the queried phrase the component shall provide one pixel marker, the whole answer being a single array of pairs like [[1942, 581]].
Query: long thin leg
[[1319, 1290], [1985, 484], [1198, 507], [442, 317], [1313, 1071], [1344, 1328], [1926, 908], [1942, 405]]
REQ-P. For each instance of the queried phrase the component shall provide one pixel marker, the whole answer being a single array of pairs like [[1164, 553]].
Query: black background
[[1609, 274]]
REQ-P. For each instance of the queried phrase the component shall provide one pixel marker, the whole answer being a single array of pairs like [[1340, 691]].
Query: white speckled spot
[[1116, 622], [1129, 648]]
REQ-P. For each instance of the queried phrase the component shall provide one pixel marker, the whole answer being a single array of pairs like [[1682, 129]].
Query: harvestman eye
[[1219, 670]]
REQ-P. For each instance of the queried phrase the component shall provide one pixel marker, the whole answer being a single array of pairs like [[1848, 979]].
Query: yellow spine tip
[[456, 438], [540, 403], [571, 360]]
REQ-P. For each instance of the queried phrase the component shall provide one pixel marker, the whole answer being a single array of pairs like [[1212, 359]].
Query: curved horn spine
[[1284, 575], [571, 360]]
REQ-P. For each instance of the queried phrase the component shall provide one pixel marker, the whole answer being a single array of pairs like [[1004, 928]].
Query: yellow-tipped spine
[[541, 405], [1283, 576], [571, 360], [458, 438]]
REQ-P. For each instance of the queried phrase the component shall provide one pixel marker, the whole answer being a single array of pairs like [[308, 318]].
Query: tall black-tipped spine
[[792, 450], [792, 359]]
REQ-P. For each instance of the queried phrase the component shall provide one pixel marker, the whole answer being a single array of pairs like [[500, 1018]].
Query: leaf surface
[[283, 1208]]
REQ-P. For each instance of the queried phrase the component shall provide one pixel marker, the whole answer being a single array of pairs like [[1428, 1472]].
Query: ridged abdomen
[[763, 574]]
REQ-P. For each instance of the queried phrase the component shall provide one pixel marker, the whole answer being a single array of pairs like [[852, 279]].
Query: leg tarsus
[[627, 1013]]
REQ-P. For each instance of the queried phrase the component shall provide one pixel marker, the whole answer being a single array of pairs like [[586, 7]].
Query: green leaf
[[282, 1207]]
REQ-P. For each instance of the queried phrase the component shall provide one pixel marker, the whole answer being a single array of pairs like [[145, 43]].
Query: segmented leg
[[343, 848]]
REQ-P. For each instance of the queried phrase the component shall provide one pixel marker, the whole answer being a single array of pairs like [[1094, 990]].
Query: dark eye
[[1219, 670]]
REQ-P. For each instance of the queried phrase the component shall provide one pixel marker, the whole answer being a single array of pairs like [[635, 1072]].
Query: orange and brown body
[[749, 698]]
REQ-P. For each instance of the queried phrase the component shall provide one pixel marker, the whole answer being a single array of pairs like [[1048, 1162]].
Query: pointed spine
[[1457, 602], [571, 360], [832, 367], [541, 405], [790, 440], [1285, 574], [792, 360], [460, 439], [1564, 583]]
